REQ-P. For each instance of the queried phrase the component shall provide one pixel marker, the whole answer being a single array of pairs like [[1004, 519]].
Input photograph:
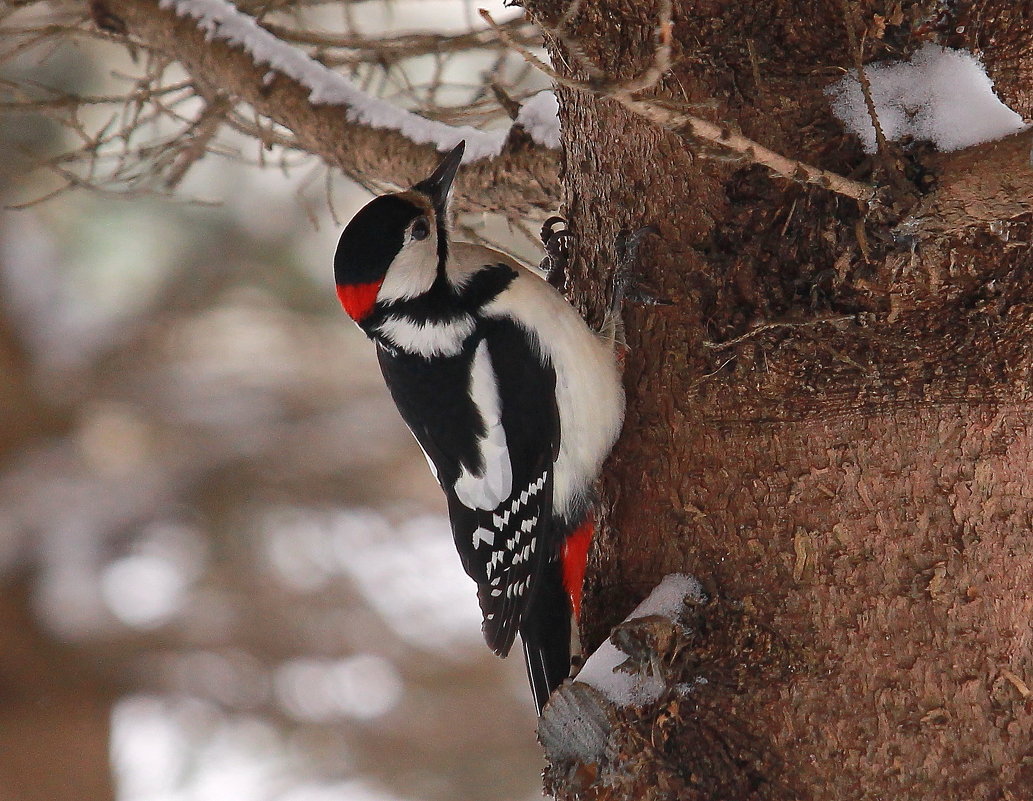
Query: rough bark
[[829, 426], [521, 182]]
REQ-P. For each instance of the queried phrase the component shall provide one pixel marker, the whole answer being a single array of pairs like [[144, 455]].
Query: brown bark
[[828, 427]]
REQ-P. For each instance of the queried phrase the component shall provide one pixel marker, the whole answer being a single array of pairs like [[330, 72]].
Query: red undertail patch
[[358, 299], [575, 557]]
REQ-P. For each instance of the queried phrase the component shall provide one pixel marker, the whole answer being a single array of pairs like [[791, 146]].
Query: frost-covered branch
[[221, 21], [350, 122]]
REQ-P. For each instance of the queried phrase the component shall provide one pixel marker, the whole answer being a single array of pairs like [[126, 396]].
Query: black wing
[[498, 478]]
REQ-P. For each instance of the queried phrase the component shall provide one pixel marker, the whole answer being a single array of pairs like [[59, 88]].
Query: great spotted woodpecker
[[514, 399]]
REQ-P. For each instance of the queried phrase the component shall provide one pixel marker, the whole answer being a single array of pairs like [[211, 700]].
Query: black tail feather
[[545, 632]]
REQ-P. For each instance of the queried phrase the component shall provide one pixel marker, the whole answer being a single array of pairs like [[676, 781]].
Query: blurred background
[[225, 570]]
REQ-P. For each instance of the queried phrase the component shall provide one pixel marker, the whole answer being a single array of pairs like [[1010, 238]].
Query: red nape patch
[[575, 558], [358, 299]]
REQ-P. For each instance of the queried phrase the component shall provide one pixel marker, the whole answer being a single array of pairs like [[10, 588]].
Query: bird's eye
[[420, 228]]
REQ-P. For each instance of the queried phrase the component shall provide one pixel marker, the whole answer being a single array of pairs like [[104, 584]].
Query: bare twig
[[667, 118], [849, 18], [758, 80], [204, 129], [886, 160], [405, 46], [661, 64], [760, 329], [753, 152]]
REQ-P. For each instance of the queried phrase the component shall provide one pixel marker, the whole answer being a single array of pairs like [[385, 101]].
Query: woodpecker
[[514, 400]]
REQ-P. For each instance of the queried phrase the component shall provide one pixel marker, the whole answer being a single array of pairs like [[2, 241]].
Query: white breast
[[445, 338]]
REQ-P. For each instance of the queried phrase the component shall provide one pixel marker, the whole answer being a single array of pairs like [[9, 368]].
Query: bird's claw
[[558, 242]]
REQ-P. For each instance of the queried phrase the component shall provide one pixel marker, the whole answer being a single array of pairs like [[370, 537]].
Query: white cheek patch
[[412, 272], [487, 490]]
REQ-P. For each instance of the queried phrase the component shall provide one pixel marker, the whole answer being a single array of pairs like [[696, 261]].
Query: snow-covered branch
[[229, 52], [221, 20]]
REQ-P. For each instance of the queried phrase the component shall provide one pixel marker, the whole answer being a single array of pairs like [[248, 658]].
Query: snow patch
[[221, 20], [627, 689], [539, 116], [940, 95]]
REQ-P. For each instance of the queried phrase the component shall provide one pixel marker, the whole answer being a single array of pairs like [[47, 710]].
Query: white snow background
[[941, 95]]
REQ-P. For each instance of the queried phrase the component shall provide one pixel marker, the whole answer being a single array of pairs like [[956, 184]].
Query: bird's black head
[[396, 246]]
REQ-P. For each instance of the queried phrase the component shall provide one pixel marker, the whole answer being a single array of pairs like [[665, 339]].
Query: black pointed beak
[[439, 185]]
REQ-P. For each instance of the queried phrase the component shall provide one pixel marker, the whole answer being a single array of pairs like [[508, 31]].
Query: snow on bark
[[636, 689], [539, 116], [583, 722], [940, 95], [221, 20]]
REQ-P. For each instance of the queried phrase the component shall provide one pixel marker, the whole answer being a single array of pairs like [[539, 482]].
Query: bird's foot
[[558, 242]]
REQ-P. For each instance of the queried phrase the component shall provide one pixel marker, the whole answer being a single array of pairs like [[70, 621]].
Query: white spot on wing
[[483, 535]]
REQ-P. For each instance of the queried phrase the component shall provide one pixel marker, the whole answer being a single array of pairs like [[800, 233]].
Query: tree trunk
[[829, 424]]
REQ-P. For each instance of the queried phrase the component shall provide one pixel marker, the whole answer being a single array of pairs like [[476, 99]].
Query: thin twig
[[204, 129], [849, 18], [754, 152], [883, 155], [758, 81], [661, 65], [123, 142], [403, 46], [771, 326]]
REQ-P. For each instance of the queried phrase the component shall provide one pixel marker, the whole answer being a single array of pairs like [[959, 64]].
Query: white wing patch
[[487, 490], [483, 535]]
